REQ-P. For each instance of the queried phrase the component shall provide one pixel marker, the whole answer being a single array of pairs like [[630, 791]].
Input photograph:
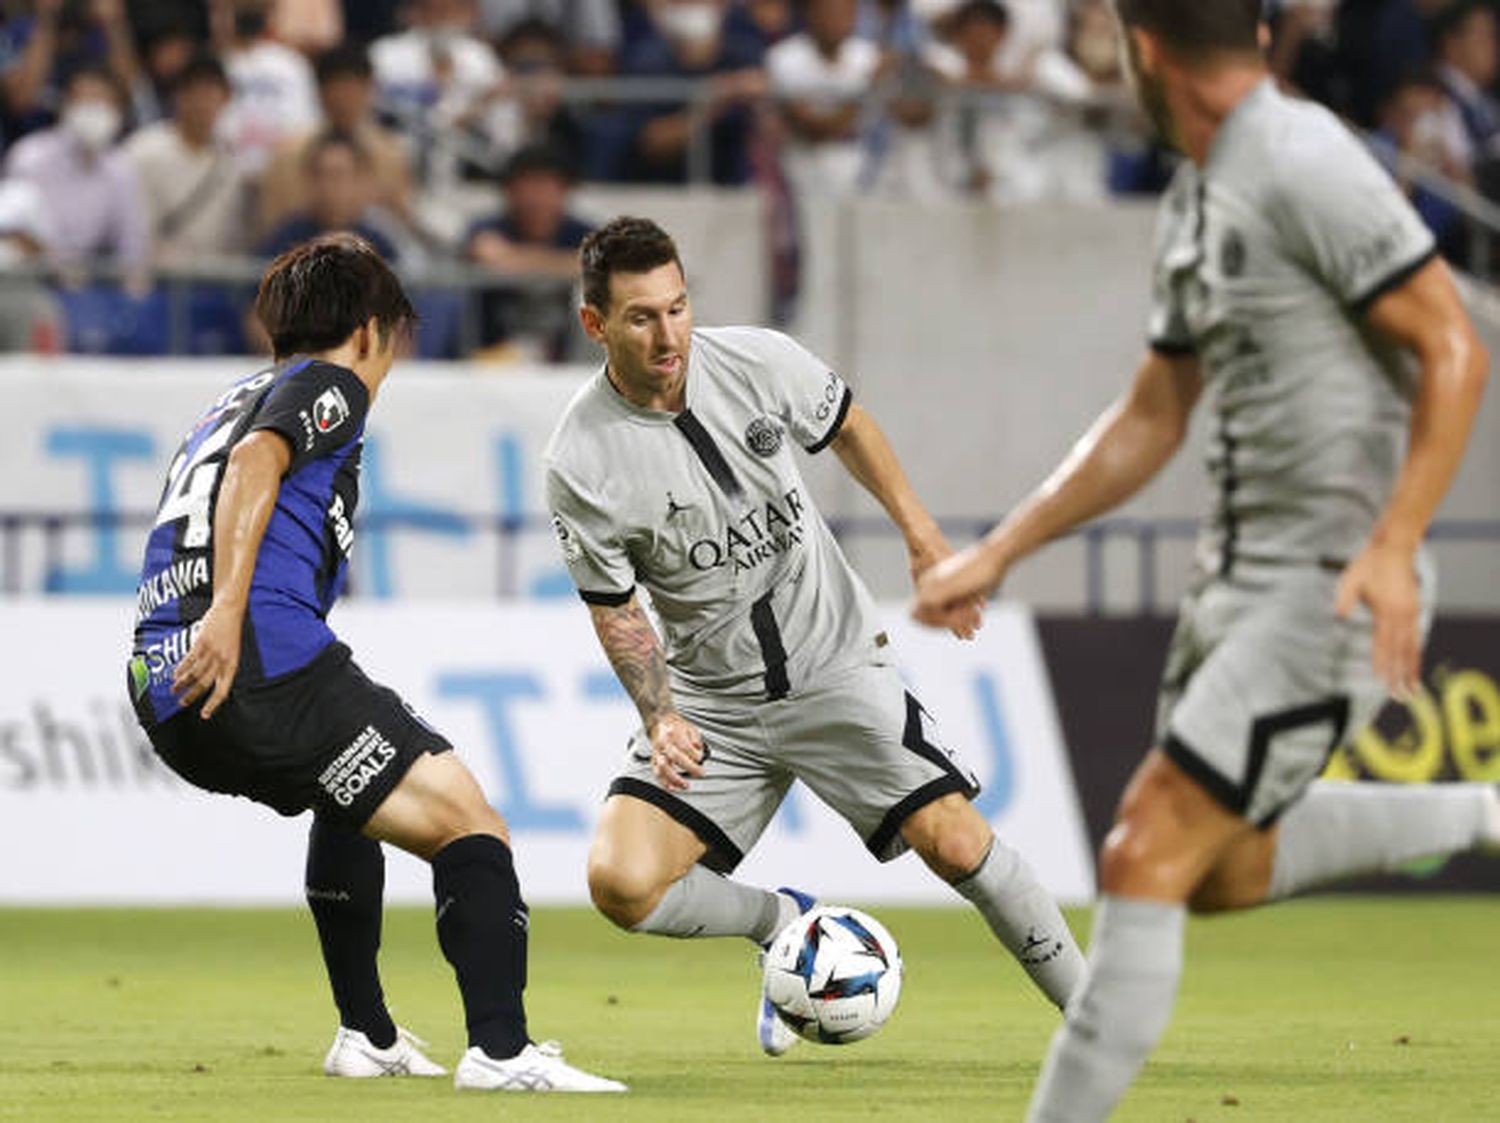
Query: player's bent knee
[[1132, 860], [622, 892]]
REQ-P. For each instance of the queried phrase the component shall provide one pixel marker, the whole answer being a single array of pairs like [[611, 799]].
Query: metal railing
[[1147, 535]]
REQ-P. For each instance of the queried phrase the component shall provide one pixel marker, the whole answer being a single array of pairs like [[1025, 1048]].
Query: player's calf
[[959, 846]]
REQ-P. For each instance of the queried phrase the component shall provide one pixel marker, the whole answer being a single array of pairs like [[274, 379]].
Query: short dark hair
[[202, 67], [534, 158], [347, 60], [988, 11], [623, 245], [1197, 26], [528, 29], [335, 138], [1454, 20], [319, 292]]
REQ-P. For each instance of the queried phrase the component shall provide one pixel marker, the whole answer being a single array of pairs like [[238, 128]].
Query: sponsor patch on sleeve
[[330, 410]]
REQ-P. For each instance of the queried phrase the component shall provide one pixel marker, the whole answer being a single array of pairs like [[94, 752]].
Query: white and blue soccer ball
[[834, 975]]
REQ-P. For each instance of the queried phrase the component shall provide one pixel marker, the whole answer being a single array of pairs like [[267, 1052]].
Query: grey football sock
[[1027, 920], [1341, 830], [1121, 1010], [701, 903]]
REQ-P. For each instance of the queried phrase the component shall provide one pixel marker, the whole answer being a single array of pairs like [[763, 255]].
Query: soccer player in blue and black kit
[[244, 689]]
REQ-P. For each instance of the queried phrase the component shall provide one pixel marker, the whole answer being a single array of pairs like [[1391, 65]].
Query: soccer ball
[[833, 975]]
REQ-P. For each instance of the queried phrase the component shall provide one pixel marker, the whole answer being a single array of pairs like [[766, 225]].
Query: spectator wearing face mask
[[194, 187], [690, 39], [92, 201], [39, 51], [274, 95]]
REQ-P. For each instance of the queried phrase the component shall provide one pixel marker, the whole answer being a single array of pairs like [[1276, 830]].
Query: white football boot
[[774, 1035], [536, 1068], [353, 1055]]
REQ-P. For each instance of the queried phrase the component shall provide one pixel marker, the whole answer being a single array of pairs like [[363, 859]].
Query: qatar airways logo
[[764, 532]]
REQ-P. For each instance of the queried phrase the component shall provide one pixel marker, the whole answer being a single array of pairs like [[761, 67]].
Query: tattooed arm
[[635, 653]]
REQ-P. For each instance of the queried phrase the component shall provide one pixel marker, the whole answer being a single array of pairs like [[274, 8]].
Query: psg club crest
[[330, 410], [763, 437]]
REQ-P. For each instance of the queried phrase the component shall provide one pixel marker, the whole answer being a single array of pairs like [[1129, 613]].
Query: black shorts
[[324, 737]]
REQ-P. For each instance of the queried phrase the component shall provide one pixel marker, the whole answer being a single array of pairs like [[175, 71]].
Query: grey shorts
[[859, 740], [1263, 682]]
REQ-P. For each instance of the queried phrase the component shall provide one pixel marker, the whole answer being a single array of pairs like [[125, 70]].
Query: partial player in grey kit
[[674, 469], [1294, 281]]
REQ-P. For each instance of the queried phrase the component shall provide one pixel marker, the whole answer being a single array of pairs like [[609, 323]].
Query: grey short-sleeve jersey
[[708, 511], [1266, 260]]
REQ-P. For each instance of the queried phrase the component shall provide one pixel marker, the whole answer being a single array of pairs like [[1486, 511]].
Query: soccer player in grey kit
[[1294, 281], [674, 469]]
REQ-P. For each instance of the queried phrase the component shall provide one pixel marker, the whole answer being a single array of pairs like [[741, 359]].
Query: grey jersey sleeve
[[1344, 219], [807, 396], [591, 545], [1173, 253]]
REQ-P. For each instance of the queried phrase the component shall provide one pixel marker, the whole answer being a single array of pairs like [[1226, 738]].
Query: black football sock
[[481, 924], [345, 887]]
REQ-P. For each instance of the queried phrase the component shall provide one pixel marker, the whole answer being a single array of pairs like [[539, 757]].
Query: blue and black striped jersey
[[320, 410]]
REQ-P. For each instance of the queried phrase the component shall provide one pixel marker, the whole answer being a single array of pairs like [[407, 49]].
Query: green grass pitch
[[1349, 1009]]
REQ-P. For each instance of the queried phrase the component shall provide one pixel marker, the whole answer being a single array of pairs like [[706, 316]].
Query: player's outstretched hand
[[676, 751], [210, 664], [1385, 578], [952, 593]]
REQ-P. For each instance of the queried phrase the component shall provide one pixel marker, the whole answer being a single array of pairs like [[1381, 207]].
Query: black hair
[[1197, 27], [347, 60], [319, 292], [622, 245], [1454, 19], [202, 67], [538, 158], [532, 27], [988, 11]]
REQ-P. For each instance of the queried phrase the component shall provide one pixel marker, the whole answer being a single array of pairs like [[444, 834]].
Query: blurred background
[[951, 200]]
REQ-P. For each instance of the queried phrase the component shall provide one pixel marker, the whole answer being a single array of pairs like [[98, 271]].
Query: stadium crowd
[[172, 138]]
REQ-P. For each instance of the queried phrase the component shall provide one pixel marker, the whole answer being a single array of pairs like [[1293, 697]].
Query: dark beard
[[1151, 96]]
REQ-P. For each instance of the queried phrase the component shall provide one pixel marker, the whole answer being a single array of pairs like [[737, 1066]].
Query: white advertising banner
[[451, 451], [87, 814]]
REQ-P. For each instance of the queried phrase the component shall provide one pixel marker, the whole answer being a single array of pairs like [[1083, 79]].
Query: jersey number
[[190, 487]]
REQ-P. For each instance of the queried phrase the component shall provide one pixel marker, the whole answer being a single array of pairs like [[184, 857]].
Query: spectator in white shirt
[[821, 77], [274, 93], [194, 187], [1016, 149], [441, 80], [29, 317]]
